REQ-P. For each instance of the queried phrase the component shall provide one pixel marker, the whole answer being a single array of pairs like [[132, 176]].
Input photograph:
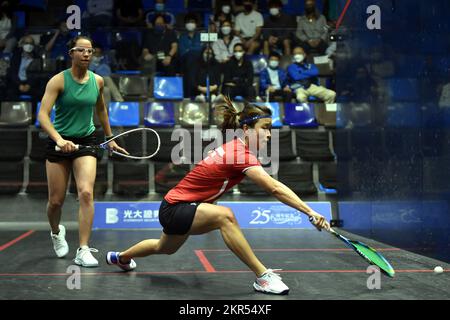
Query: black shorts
[[57, 156], [177, 218]]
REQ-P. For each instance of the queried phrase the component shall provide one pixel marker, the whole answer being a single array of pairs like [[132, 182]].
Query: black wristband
[[109, 137]]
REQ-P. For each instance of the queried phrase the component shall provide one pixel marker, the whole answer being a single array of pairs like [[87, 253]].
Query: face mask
[[159, 7], [28, 47], [274, 11], [298, 58], [248, 7], [238, 55], [190, 26], [226, 30], [226, 9], [273, 64]]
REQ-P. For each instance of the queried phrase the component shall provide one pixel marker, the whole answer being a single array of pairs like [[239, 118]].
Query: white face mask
[[274, 11], [226, 9], [298, 58], [226, 30], [28, 47], [190, 26], [238, 55], [273, 64]]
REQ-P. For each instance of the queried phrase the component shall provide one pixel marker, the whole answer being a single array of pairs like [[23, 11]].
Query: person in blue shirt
[[189, 50], [273, 80], [160, 10], [302, 77]]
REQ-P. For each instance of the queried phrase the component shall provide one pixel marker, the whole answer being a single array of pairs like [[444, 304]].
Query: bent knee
[[228, 216]]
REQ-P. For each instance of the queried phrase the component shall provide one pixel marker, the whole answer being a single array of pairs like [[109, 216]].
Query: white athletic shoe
[[59, 242], [112, 257], [270, 282], [85, 258]]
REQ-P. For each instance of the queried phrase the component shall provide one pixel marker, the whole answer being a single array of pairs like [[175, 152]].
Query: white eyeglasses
[[83, 50]]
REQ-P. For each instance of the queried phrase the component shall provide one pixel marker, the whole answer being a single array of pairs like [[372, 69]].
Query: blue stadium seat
[[159, 114], [403, 115], [25, 97], [124, 114], [299, 115], [168, 88], [275, 107], [403, 89], [52, 115]]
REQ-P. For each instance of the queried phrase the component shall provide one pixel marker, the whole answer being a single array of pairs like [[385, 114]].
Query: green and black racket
[[369, 254]]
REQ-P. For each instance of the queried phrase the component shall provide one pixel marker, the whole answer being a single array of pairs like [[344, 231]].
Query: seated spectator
[[207, 66], [238, 76], [224, 46], [160, 11], [99, 14], [312, 30], [189, 50], [223, 12], [248, 27], [100, 65], [303, 79], [56, 45], [189, 42], [273, 81], [160, 44], [8, 40], [129, 13], [25, 74], [276, 30]]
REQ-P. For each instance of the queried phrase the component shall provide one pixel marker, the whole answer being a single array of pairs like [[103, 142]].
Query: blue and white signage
[[131, 215]]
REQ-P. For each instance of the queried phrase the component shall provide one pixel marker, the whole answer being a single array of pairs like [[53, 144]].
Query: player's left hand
[[114, 146]]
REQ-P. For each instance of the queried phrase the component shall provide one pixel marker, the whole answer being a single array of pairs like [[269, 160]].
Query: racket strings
[[138, 143]]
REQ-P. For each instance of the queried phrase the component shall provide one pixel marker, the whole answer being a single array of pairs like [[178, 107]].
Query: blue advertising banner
[[131, 215]]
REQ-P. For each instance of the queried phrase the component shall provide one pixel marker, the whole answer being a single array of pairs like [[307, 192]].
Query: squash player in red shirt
[[188, 209]]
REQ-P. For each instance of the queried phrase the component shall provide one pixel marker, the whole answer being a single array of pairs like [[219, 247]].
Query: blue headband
[[249, 120]]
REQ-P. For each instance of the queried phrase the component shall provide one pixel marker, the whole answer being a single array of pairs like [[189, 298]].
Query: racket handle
[[77, 146], [313, 221]]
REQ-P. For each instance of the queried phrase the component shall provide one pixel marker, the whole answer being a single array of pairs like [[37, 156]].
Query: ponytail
[[235, 119]]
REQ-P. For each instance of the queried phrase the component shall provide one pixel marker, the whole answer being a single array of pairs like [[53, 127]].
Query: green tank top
[[74, 108]]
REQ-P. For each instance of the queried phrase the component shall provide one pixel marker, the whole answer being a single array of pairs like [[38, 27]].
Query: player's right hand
[[66, 145], [319, 221]]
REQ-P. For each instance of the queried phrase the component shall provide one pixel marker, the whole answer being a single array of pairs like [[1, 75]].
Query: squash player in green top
[[75, 92]]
